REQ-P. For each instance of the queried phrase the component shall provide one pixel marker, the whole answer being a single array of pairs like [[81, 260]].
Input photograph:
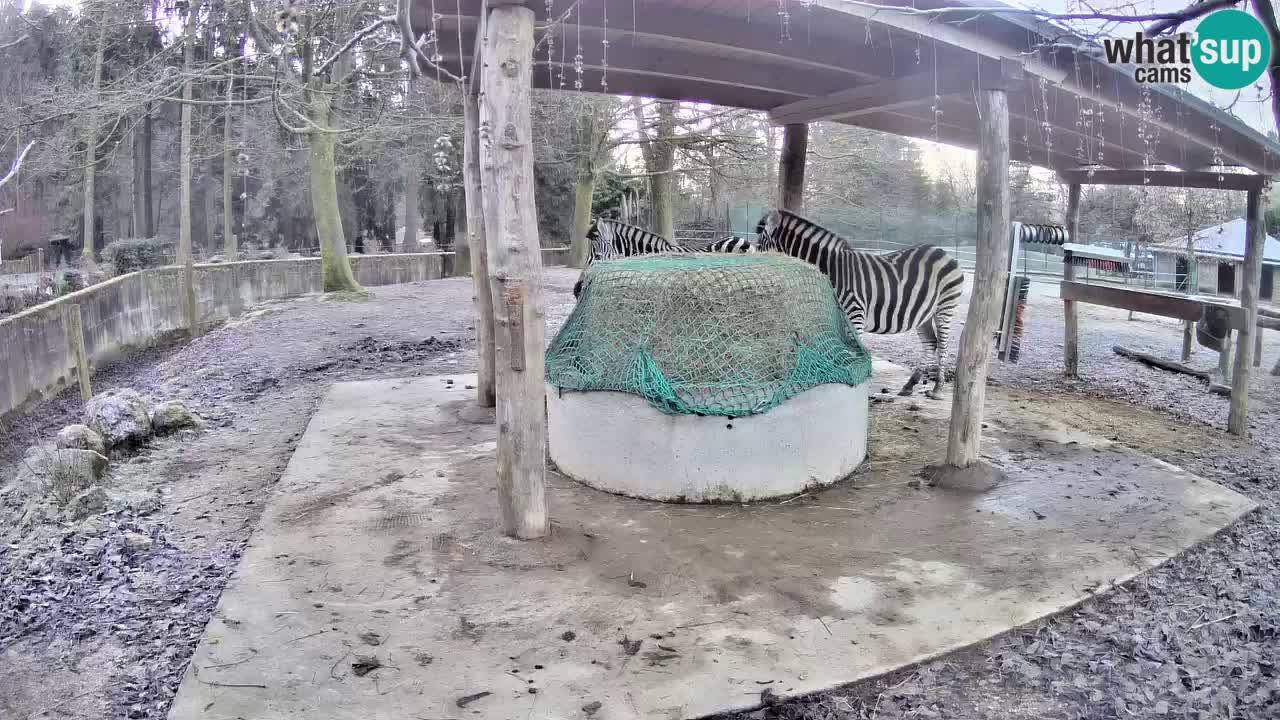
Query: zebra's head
[[767, 231], [600, 237]]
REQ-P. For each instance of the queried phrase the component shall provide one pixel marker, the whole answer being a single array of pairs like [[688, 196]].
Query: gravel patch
[[100, 618], [1196, 638]]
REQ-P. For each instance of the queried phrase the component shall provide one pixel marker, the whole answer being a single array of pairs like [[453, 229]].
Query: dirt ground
[[95, 624]]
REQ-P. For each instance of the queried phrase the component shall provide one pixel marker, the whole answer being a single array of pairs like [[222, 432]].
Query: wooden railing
[[30, 264]]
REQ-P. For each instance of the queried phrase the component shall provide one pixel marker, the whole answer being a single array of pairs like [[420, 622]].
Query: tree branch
[[362, 34], [1267, 14], [1191, 12], [14, 43], [17, 164]]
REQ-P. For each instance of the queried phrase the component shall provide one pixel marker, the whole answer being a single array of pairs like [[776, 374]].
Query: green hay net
[[706, 334]]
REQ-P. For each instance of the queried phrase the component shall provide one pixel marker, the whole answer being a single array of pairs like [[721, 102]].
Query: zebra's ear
[[772, 221]]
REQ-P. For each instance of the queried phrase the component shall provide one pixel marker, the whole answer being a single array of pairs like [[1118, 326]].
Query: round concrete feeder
[[619, 443]]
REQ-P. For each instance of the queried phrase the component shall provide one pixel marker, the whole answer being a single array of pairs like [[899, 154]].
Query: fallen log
[[1220, 389], [1153, 361]]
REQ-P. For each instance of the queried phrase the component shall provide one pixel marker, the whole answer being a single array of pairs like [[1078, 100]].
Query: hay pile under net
[[706, 334]]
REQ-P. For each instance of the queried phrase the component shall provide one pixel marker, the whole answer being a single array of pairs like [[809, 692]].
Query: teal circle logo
[[1232, 49]]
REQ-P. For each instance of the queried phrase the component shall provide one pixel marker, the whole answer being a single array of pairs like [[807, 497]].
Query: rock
[[141, 501], [121, 417], [216, 259], [90, 502], [81, 437], [137, 541], [59, 474], [172, 415]]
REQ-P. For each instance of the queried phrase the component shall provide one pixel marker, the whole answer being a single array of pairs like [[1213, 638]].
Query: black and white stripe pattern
[[731, 245], [610, 239], [915, 288]]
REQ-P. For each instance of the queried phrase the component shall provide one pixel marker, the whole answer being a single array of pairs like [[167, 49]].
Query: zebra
[[915, 288], [612, 239]]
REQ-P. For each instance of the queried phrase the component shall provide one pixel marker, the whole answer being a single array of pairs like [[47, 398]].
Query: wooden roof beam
[[892, 94], [948, 34], [958, 36], [752, 74], [965, 137], [896, 93], [1167, 178]]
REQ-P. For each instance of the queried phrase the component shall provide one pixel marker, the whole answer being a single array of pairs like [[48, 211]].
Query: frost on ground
[[99, 617]]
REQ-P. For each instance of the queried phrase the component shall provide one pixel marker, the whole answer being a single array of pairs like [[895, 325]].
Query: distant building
[[1219, 254]]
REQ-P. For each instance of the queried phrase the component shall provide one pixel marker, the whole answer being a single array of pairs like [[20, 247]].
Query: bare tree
[[91, 143]]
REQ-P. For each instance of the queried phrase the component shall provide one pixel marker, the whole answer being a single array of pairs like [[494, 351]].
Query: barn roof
[[1226, 240], [894, 70]]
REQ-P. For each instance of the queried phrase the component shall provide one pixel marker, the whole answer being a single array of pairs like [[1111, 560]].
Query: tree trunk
[[1251, 277], [659, 155], [1071, 324], [209, 212], [795, 148], [143, 224], [662, 182], [335, 266], [584, 186], [412, 214], [91, 147], [771, 154], [481, 297], [184, 181], [511, 226], [228, 185], [965, 434]]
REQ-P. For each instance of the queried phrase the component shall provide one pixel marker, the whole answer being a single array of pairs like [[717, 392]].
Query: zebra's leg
[[910, 387], [942, 331], [930, 340], [936, 392]]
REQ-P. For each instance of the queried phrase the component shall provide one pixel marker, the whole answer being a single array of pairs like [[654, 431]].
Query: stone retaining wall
[[140, 308]]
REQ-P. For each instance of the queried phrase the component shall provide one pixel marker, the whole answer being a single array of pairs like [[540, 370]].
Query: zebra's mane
[[636, 228], [841, 245]]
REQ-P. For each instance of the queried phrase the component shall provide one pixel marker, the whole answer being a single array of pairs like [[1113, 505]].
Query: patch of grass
[[54, 479], [361, 295]]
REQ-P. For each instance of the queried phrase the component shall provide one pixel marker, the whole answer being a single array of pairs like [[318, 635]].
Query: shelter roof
[[1225, 240], [886, 67]]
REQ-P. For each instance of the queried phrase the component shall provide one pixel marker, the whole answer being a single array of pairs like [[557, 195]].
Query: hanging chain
[[604, 50], [1046, 127], [551, 44], [577, 59]]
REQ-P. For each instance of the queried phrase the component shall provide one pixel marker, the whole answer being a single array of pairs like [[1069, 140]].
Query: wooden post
[[40, 260], [1188, 329], [1224, 359], [795, 149], [965, 434], [1250, 279], [1257, 347], [75, 338], [481, 297], [511, 233], [1071, 317]]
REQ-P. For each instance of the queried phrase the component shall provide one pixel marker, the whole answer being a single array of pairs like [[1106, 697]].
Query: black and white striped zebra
[[610, 239], [915, 288]]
